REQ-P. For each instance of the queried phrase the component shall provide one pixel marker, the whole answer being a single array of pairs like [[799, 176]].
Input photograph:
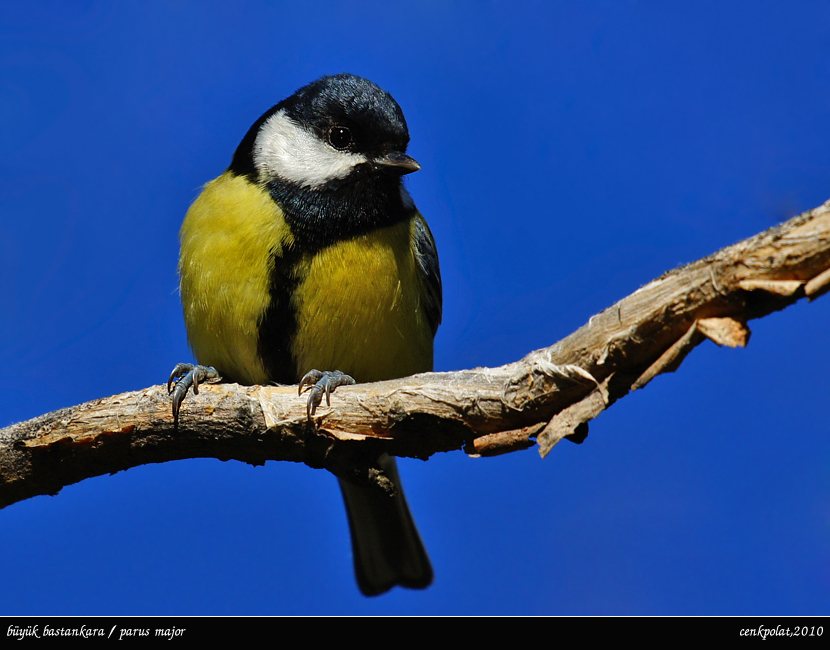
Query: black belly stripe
[[318, 219], [278, 324]]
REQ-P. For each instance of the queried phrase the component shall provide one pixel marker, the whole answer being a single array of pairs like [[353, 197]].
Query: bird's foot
[[186, 375], [322, 383]]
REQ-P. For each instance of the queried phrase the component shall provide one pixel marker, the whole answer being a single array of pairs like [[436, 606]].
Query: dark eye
[[340, 137]]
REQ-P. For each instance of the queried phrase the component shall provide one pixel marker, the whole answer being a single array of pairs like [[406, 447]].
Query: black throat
[[318, 219], [340, 210]]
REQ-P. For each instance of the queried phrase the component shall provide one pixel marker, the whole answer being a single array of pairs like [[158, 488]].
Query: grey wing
[[427, 257]]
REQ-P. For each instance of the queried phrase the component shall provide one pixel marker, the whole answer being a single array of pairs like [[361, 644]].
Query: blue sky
[[570, 153]]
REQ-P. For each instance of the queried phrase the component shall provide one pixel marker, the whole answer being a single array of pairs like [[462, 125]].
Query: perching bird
[[308, 253]]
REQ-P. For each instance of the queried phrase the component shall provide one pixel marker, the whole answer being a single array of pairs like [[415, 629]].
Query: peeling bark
[[550, 394]]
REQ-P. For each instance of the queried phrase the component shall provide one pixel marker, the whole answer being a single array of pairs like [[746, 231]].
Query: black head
[[334, 128], [331, 156]]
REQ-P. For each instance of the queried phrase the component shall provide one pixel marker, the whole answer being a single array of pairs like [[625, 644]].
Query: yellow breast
[[226, 242], [358, 302], [359, 308]]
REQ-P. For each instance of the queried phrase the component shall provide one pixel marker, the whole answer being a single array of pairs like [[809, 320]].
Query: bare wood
[[550, 394], [724, 331]]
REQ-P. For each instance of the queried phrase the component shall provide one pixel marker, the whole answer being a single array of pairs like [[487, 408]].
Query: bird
[[307, 262]]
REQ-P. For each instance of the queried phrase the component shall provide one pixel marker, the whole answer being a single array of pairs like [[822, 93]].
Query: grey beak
[[398, 161]]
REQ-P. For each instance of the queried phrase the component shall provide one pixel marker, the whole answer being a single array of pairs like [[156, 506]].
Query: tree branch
[[550, 394]]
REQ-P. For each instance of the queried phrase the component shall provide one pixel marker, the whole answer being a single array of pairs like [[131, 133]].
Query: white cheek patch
[[284, 148]]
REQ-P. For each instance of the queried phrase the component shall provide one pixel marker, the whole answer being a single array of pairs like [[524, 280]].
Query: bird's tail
[[385, 542]]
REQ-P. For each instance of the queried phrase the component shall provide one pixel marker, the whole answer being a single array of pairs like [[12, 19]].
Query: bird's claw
[[186, 375], [322, 383]]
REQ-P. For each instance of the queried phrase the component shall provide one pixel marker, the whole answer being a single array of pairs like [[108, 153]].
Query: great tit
[[308, 253]]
